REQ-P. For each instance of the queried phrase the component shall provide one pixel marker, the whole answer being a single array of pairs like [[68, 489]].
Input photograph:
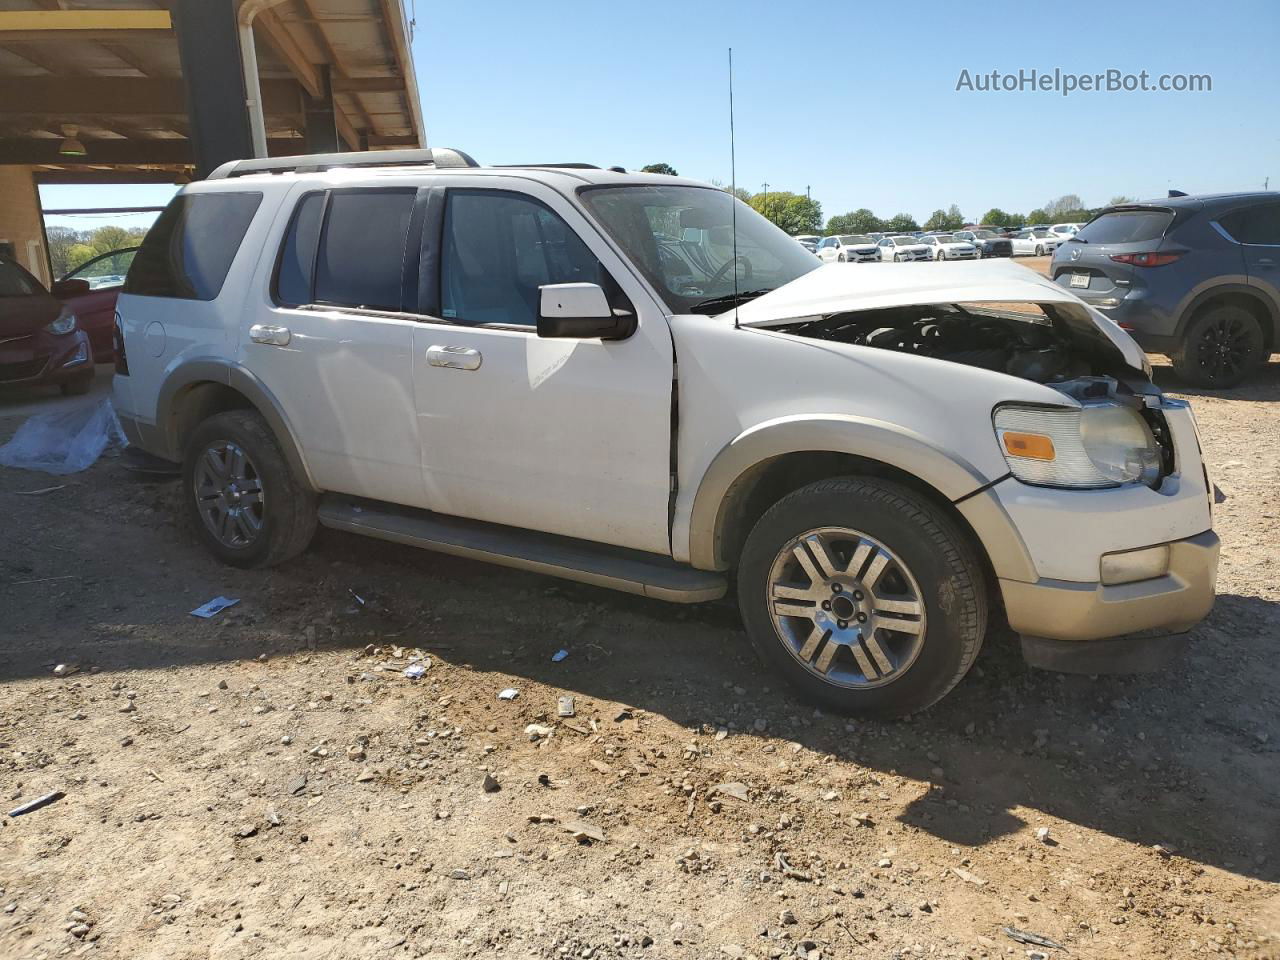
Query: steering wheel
[[732, 261]]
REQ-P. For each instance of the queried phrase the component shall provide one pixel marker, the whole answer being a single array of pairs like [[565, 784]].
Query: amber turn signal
[[1033, 446]]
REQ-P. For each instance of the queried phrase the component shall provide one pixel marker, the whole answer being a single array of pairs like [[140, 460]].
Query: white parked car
[[904, 248], [849, 248], [1034, 242], [945, 246], [483, 362], [1065, 231], [809, 241]]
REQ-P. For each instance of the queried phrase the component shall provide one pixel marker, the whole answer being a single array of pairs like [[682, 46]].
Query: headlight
[[65, 323], [1097, 445]]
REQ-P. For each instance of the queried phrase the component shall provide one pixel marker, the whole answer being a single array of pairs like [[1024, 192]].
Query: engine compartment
[[1047, 347]]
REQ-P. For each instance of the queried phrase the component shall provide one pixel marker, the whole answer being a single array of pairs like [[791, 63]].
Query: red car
[[89, 291], [40, 339]]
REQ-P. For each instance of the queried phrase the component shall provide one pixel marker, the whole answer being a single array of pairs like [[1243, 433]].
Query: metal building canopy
[[108, 75]]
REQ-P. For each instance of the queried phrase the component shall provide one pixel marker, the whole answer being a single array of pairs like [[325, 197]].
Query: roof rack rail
[[315, 162], [553, 166]]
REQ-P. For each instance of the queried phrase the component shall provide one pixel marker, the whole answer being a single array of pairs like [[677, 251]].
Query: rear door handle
[[453, 358], [269, 333], [1266, 261]]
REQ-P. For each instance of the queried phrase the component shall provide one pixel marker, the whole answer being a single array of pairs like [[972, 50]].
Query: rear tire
[[242, 496], [863, 664], [1221, 346]]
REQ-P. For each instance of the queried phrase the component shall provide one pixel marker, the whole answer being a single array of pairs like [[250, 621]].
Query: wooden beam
[[115, 175], [331, 55], [287, 49], [122, 96], [409, 141], [390, 11], [347, 84], [40, 21], [36, 152]]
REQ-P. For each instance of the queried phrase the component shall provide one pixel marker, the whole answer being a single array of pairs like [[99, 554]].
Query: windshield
[[1126, 226], [945, 238], [1042, 232], [906, 240], [681, 239], [850, 241]]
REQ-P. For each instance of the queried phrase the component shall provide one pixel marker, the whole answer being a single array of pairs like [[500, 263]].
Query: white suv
[[585, 373]]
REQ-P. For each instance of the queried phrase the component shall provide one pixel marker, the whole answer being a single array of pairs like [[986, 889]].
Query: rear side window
[[362, 246], [16, 282], [1260, 224], [1126, 226], [298, 255], [188, 251]]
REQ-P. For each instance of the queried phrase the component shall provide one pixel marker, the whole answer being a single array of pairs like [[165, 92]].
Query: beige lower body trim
[[1063, 610]]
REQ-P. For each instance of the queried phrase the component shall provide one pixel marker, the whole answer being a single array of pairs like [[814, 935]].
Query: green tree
[[663, 168], [793, 212], [1017, 220], [1119, 199], [901, 223], [108, 238], [1038, 217], [995, 217], [741, 193], [861, 220], [61, 240], [955, 219], [79, 254], [942, 220], [1058, 208]]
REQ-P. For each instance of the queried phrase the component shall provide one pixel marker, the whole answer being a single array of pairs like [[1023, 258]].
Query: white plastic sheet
[[66, 441]]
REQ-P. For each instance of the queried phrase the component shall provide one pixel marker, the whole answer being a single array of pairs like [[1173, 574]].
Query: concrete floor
[[24, 401]]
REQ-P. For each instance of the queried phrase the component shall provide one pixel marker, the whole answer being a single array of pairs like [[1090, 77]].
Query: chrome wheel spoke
[[228, 494], [835, 588]]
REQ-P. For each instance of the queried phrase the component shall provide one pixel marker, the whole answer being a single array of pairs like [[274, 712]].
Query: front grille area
[[23, 369]]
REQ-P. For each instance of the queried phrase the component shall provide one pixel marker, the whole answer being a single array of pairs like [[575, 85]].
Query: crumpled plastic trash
[[66, 441]]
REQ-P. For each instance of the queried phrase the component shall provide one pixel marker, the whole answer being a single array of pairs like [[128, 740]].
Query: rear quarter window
[[189, 249], [1126, 226]]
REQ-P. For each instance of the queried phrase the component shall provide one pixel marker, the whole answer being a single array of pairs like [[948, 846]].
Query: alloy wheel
[[1224, 348], [846, 607], [228, 492]]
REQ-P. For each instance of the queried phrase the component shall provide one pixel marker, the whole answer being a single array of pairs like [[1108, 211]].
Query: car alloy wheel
[[1225, 347], [1039, 250], [229, 496], [846, 607]]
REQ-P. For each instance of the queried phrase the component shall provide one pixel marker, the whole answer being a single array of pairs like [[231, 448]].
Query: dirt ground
[[269, 783]]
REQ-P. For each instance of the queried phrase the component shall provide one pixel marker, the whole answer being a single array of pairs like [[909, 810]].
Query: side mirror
[[580, 311], [74, 287]]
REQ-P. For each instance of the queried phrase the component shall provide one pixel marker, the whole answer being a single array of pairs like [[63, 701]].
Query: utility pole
[[765, 202]]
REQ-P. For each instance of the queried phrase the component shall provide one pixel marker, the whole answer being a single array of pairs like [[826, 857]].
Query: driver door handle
[[453, 358], [269, 333]]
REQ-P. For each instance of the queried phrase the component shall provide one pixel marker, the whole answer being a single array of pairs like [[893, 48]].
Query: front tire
[[242, 496], [1039, 250], [863, 595], [1221, 346], [897, 258]]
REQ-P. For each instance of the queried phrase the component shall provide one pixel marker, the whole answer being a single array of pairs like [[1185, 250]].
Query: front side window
[[189, 249], [498, 249], [106, 271], [682, 240]]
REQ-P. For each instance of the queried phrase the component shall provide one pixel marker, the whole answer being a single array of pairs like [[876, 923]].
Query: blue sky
[[857, 101]]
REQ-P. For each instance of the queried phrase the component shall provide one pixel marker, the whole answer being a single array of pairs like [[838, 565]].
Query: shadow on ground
[[1185, 758]]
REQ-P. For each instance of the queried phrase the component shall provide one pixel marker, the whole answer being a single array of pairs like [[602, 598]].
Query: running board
[[631, 571]]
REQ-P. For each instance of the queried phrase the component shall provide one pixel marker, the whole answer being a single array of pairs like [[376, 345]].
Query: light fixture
[[70, 146]]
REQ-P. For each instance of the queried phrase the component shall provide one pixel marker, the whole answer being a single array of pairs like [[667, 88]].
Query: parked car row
[[970, 244]]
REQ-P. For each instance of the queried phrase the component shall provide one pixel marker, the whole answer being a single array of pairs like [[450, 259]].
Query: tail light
[[1146, 259], [117, 340]]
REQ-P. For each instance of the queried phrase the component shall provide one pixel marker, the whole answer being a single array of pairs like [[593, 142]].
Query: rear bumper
[[1064, 610]]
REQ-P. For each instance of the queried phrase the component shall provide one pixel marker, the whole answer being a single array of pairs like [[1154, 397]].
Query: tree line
[[69, 248], [797, 213]]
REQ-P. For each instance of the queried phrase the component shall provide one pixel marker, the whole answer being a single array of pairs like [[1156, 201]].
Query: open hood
[[834, 289]]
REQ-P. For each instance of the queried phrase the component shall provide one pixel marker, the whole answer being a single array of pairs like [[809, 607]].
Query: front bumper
[[1072, 611], [45, 358]]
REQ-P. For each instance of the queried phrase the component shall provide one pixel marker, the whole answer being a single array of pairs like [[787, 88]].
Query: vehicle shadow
[[1262, 385], [1185, 758]]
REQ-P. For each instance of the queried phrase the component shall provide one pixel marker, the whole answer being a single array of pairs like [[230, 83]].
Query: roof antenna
[[733, 193]]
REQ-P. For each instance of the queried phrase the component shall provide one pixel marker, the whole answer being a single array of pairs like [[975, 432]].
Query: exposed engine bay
[[1049, 346]]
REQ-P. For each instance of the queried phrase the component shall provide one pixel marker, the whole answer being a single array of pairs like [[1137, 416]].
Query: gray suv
[[1196, 278]]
